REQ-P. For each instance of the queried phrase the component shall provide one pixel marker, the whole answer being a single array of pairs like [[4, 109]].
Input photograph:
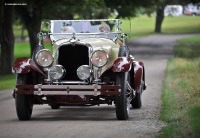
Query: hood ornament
[[73, 40]]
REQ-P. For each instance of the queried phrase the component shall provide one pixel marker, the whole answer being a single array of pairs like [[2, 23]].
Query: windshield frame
[[115, 31]]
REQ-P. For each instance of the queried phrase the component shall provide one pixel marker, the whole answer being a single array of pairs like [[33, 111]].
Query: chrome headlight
[[57, 72], [99, 58], [83, 72], [44, 58]]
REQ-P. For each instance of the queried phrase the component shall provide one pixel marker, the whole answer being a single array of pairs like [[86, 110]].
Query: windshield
[[66, 28]]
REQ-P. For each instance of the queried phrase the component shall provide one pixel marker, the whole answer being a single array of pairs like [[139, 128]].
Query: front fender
[[122, 64], [24, 65], [21, 65], [138, 74]]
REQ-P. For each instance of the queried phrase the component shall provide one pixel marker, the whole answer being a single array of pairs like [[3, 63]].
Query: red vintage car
[[87, 65]]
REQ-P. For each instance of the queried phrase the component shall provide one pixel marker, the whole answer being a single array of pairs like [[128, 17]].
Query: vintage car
[[89, 64]]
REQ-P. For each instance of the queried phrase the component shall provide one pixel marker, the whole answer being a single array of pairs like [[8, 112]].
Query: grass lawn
[[181, 91], [140, 26], [22, 49], [7, 81], [182, 24], [145, 25]]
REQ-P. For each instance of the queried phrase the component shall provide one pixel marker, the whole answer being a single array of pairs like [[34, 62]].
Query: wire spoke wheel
[[123, 100]]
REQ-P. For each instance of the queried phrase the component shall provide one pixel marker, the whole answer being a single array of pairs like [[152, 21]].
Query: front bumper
[[94, 90]]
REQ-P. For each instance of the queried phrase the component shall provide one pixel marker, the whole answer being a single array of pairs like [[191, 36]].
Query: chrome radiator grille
[[72, 57]]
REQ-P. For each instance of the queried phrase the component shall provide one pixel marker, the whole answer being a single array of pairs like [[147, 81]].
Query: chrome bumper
[[94, 89]]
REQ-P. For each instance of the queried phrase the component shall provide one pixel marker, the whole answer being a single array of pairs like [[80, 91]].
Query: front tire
[[122, 101], [23, 103]]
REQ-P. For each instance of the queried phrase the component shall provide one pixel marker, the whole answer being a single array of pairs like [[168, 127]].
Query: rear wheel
[[136, 103], [23, 103], [122, 101]]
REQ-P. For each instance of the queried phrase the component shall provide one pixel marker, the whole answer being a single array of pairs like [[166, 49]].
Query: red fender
[[122, 64], [138, 71], [24, 65], [21, 65]]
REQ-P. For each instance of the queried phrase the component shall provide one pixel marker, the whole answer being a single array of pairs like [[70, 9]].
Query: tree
[[160, 10], [6, 36], [31, 16], [159, 17]]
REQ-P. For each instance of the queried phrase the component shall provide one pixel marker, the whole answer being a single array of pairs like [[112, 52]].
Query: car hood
[[110, 47]]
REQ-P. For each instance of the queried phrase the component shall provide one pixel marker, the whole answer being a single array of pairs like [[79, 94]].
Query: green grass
[[144, 25], [181, 24], [190, 40], [7, 81], [181, 92], [140, 26], [194, 120], [22, 49]]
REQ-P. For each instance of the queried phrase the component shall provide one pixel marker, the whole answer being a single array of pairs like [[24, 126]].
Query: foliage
[[180, 98]]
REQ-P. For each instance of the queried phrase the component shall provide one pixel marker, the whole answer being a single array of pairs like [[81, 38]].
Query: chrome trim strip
[[84, 33], [81, 87], [67, 93], [90, 20], [70, 82]]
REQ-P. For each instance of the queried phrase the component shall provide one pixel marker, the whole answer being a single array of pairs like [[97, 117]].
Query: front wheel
[[23, 103], [122, 101]]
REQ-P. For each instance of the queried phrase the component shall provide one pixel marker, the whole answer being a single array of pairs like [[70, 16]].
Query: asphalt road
[[99, 121]]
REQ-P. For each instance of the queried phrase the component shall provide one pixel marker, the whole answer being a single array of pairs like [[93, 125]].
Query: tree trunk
[[33, 29], [6, 37], [159, 18], [32, 21]]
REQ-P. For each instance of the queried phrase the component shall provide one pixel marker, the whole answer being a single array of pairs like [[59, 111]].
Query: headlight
[[56, 72], [83, 72], [44, 58], [99, 58]]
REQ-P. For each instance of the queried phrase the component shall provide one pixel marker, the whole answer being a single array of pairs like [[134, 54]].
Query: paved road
[[98, 122]]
